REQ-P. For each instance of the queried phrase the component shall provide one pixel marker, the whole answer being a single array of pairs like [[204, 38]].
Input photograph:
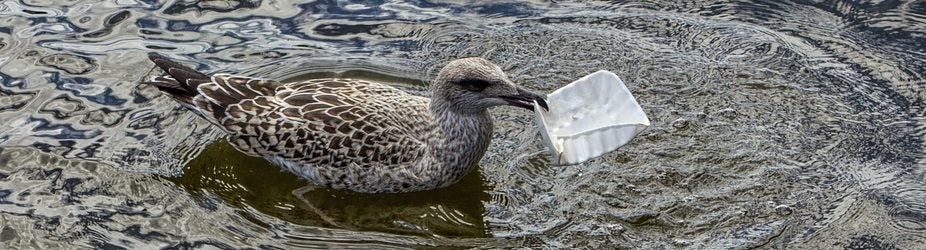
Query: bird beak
[[525, 99]]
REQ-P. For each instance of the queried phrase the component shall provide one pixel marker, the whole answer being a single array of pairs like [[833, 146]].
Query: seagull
[[354, 134]]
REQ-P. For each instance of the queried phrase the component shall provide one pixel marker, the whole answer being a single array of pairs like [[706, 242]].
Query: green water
[[245, 181]]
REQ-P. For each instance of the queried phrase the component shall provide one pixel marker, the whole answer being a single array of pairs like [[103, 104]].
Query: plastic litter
[[590, 117]]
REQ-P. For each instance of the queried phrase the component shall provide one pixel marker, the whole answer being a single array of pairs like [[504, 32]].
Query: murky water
[[775, 124]]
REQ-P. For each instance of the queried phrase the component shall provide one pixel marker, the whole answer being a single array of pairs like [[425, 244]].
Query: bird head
[[472, 85]]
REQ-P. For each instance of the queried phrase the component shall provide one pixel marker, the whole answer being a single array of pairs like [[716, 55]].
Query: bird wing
[[330, 123], [322, 122]]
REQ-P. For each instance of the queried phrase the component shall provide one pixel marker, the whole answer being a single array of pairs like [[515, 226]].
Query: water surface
[[774, 124]]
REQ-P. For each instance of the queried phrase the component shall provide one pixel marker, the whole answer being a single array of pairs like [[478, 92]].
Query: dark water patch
[[868, 242], [254, 182], [205, 7], [12, 101], [72, 64], [35, 12]]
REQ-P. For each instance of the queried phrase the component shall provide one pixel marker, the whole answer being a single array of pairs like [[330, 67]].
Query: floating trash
[[590, 117]]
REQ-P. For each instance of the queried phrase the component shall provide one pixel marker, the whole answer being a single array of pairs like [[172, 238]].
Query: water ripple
[[774, 124]]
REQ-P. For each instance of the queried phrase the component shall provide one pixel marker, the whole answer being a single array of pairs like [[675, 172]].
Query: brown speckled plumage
[[354, 134]]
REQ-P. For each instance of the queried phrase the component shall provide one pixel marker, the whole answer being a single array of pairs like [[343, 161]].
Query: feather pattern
[[342, 133]]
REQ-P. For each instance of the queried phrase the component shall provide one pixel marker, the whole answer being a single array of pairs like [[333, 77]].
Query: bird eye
[[475, 85]]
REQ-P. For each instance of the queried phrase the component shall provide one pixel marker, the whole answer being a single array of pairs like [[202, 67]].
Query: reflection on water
[[774, 124], [243, 180]]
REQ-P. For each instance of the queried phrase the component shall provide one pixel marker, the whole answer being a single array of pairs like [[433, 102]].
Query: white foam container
[[590, 117]]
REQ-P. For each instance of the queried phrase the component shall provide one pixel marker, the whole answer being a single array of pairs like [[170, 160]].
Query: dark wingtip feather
[[154, 56], [183, 80], [166, 64], [162, 62]]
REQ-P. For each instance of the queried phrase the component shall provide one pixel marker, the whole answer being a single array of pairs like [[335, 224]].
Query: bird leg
[[301, 194]]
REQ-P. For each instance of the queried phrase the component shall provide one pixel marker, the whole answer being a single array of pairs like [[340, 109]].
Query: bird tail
[[208, 95], [180, 82]]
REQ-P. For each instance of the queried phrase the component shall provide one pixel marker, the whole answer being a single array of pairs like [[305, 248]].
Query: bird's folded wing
[[330, 122]]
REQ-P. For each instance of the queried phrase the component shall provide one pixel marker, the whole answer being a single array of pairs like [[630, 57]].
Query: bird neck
[[463, 140]]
